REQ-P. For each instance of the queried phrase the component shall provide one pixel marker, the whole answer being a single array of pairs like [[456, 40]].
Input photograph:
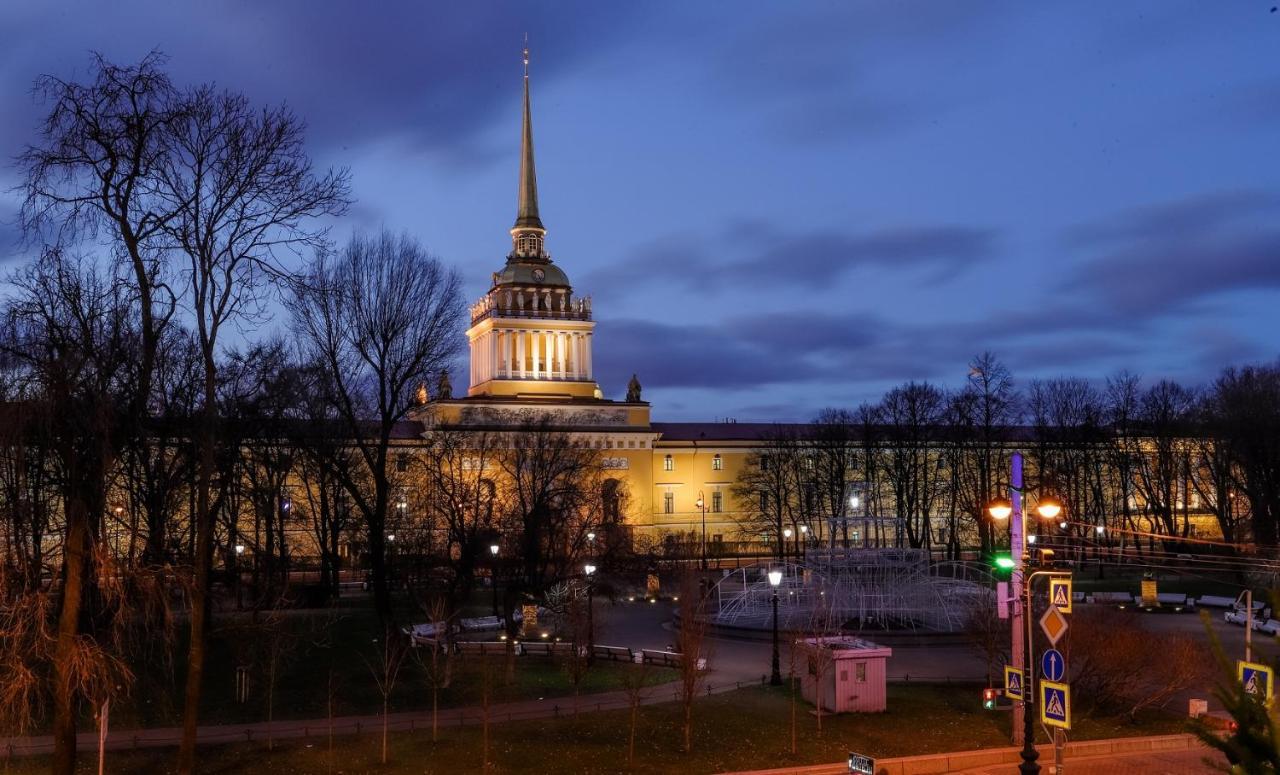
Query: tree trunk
[[203, 560], [65, 702]]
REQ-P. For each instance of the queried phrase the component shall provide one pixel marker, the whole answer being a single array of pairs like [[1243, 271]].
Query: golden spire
[[527, 210]]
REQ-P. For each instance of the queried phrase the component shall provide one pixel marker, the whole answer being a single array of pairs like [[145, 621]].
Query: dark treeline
[[1129, 463]]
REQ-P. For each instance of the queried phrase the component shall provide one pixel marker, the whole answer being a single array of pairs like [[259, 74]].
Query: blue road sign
[[1013, 683], [1052, 665], [1256, 679], [1055, 705]]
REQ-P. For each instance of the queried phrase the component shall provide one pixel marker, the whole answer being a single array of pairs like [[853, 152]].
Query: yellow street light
[[1049, 507], [1000, 508]]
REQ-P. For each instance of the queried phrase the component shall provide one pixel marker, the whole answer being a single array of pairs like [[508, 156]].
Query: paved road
[[1165, 763]]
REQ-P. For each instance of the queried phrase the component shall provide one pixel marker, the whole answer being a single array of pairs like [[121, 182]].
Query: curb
[[936, 764]]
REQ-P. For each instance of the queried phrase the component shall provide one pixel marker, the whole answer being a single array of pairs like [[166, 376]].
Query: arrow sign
[[1052, 665]]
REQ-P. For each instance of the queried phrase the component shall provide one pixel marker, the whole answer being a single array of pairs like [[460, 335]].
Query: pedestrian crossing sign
[[1012, 682], [1060, 593], [1257, 679], [1055, 704]]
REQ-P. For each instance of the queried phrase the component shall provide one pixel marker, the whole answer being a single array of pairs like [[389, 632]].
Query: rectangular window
[[717, 503], [717, 463], [668, 503], [860, 672], [764, 503], [668, 464], [717, 538], [402, 463]]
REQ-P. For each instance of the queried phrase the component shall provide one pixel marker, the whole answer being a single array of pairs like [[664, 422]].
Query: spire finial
[[528, 231]]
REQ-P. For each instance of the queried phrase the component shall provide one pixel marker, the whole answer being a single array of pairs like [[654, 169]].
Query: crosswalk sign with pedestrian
[[1012, 682], [1055, 705], [1060, 593], [1257, 679]]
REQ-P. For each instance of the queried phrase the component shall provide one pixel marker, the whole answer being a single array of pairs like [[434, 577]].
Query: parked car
[[1234, 616], [1269, 626]]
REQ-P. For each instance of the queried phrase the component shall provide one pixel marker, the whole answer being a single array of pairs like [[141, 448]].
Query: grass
[[341, 644], [746, 729]]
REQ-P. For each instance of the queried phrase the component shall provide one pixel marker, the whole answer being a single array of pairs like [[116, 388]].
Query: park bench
[[662, 658], [613, 653], [544, 649], [480, 648]]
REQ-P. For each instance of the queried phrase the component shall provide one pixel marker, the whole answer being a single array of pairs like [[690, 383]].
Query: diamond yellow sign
[[1053, 624]]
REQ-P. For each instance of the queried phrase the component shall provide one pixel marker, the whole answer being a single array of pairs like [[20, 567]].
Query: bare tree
[[393, 647], [913, 414], [634, 681], [243, 193], [691, 643], [1247, 423], [436, 659], [379, 318]]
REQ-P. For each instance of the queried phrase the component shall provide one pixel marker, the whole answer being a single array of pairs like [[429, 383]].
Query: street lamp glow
[[1049, 507], [1100, 529], [698, 503], [589, 569], [1031, 539], [591, 536], [1063, 524], [775, 578], [493, 549], [1000, 508], [804, 529], [853, 501], [391, 536], [786, 533], [239, 548]]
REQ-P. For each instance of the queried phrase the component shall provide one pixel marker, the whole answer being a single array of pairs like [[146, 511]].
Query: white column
[[557, 339], [536, 342], [586, 349], [519, 353], [577, 356]]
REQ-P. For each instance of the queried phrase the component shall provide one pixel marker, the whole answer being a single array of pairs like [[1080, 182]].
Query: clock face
[[538, 275]]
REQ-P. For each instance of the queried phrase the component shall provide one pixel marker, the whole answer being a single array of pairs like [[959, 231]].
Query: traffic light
[[989, 696], [1003, 563]]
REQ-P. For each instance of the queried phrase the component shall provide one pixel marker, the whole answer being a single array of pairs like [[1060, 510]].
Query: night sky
[[781, 207]]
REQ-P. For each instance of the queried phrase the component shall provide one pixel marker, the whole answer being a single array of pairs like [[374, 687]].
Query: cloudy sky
[[780, 207]]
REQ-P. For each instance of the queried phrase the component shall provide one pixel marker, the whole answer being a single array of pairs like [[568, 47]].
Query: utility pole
[[1018, 548]]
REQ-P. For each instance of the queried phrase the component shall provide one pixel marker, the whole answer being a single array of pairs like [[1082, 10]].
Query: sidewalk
[[409, 721]]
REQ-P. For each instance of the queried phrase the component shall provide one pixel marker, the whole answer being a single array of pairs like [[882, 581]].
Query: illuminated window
[[717, 464], [860, 672], [668, 503], [717, 502], [764, 502], [668, 464]]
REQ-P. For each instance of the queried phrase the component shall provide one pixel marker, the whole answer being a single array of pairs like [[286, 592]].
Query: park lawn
[[340, 645], [746, 729]]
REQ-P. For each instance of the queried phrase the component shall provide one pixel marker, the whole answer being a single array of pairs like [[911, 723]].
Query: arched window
[[717, 464], [611, 501]]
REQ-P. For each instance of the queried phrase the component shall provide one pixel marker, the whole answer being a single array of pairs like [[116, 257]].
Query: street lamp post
[[493, 575], [236, 573], [775, 578], [589, 570], [702, 506], [786, 536]]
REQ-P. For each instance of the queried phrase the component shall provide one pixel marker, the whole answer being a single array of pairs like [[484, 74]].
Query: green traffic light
[[1004, 562]]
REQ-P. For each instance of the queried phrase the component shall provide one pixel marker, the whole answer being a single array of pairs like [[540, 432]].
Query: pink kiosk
[[848, 674]]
